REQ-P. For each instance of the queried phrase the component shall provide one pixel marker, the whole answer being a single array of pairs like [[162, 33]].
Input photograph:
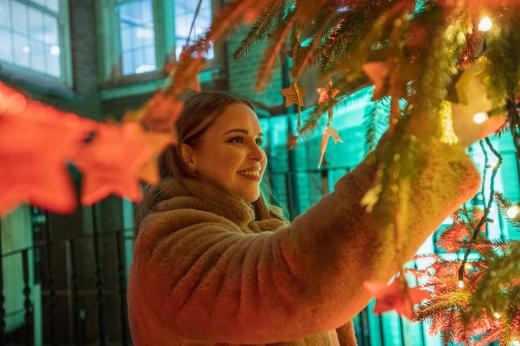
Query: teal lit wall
[[306, 184]]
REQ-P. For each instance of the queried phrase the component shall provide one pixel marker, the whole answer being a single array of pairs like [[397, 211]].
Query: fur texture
[[205, 272]]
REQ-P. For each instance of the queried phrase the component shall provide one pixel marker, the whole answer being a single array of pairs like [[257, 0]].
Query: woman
[[214, 265]]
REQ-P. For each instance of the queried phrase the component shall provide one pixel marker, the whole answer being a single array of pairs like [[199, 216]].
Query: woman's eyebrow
[[242, 131]]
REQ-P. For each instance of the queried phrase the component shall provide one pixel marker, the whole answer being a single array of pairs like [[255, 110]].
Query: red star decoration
[[324, 94], [37, 142], [113, 161], [397, 296], [185, 72], [162, 111], [157, 143], [33, 157]]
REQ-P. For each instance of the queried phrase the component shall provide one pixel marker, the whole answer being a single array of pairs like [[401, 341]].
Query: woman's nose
[[257, 152]]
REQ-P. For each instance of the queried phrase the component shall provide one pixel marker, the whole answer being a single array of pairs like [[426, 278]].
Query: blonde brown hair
[[199, 112]]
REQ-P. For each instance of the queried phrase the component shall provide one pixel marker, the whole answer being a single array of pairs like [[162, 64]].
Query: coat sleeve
[[210, 283]]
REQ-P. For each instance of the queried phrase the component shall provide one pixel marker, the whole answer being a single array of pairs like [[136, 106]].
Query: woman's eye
[[236, 140], [259, 141]]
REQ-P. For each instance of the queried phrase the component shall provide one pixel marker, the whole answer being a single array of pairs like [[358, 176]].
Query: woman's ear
[[188, 156]]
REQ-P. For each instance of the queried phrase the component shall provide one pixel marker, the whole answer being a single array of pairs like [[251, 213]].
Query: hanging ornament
[[329, 131], [294, 95], [397, 296], [326, 94], [113, 161]]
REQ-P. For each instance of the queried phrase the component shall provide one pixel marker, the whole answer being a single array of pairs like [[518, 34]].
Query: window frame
[[109, 51], [64, 82]]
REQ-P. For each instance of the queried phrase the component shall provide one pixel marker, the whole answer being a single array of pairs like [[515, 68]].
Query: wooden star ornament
[[397, 296], [294, 95]]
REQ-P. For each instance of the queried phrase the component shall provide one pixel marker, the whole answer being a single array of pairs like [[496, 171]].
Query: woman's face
[[229, 153]]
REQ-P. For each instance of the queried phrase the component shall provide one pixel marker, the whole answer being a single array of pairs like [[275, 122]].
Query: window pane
[[29, 37], [184, 15], [50, 30], [5, 14], [52, 59], [37, 55], [149, 57], [35, 24], [6, 46], [127, 41], [53, 5], [128, 65], [21, 50], [145, 36], [19, 15], [137, 37]]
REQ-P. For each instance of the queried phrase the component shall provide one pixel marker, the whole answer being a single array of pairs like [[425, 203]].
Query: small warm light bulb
[[512, 211], [461, 284], [485, 24], [480, 117], [497, 315]]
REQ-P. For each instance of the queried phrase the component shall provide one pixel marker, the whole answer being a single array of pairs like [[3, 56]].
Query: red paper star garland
[[162, 112], [33, 156], [112, 162], [36, 144], [397, 296]]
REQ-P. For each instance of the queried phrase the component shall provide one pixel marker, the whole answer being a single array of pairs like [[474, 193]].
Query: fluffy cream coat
[[205, 272]]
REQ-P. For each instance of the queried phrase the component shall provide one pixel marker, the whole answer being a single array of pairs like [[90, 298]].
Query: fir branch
[[278, 38], [492, 293], [375, 122], [503, 205], [306, 55], [229, 17], [262, 27]]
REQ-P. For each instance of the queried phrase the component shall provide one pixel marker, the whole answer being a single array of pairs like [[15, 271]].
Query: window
[[31, 37], [184, 14], [137, 37], [140, 36]]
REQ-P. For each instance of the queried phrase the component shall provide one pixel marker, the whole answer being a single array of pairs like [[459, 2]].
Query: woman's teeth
[[250, 173]]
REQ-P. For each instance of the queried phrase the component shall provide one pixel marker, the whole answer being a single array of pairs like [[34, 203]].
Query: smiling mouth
[[251, 174]]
